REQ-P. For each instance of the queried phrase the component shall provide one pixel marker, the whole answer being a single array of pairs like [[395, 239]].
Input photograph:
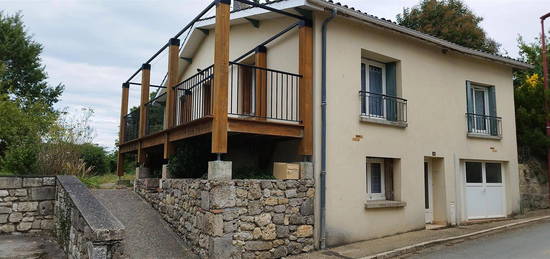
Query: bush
[[191, 159], [95, 157]]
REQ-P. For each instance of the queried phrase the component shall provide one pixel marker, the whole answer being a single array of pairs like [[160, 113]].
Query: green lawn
[[98, 180]]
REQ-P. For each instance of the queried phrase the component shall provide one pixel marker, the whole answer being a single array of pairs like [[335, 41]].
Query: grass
[[3, 173], [98, 180]]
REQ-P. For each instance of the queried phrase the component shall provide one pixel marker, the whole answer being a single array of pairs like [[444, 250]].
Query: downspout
[[322, 218]]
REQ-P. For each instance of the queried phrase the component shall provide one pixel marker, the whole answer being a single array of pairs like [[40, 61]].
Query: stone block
[[258, 245], [5, 210], [42, 193], [21, 192], [142, 172], [47, 224], [214, 224], [304, 231], [46, 207], [269, 232], [282, 231], [25, 206], [32, 182], [4, 193], [16, 217], [3, 218], [165, 172], [219, 170], [222, 196], [205, 200], [10, 182], [7, 228], [221, 247], [306, 170], [280, 252], [48, 181], [24, 226], [96, 251], [306, 209], [263, 219]]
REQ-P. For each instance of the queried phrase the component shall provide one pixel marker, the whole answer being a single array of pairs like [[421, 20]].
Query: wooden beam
[[265, 128], [121, 135], [172, 80], [221, 78], [145, 83], [261, 82], [306, 86]]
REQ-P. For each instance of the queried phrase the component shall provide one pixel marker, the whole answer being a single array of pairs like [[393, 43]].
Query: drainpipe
[[545, 78], [323, 180]]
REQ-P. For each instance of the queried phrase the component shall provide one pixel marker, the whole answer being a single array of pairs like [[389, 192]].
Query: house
[[402, 129]]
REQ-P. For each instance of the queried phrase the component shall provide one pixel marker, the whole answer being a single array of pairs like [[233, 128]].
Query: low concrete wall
[[237, 218], [83, 226], [26, 204]]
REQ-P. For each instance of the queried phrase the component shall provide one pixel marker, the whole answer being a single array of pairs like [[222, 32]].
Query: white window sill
[[484, 136], [383, 121], [383, 204]]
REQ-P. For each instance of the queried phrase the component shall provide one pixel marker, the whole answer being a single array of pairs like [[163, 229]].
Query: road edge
[[419, 246]]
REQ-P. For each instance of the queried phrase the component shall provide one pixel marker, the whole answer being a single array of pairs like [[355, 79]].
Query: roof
[[345, 11]]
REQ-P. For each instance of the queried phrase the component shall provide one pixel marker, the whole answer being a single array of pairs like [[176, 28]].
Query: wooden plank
[[145, 83], [120, 164], [128, 147], [261, 82], [123, 111], [265, 128], [306, 87], [194, 128], [172, 80], [221, 78]]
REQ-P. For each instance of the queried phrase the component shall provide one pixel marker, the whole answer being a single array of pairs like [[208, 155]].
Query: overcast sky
[[92, 46]]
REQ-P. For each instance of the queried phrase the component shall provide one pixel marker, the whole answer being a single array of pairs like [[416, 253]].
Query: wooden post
[[122, 133], [145, 83], [221, 78], [306, 86], [172, 80], [261, 82]]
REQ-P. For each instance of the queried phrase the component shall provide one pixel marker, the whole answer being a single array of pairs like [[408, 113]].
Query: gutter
[[419, 35], [322, 218]]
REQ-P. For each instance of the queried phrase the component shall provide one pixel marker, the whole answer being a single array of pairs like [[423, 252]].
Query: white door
[[428, 191], [484, 190]]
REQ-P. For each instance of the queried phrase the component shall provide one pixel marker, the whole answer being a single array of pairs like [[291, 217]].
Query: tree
[[450, 20], [22, 75], [529, 102]]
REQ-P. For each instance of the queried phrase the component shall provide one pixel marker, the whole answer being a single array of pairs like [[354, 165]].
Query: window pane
[[375, 178], [375, 87], [493, 173], [480, 109], [473, 172]]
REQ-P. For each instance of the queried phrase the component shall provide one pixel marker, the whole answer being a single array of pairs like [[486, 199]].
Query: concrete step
[[147, 234]]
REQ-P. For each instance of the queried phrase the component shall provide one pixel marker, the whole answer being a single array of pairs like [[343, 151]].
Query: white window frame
[[368, 63], [375, 196], [485, 91]]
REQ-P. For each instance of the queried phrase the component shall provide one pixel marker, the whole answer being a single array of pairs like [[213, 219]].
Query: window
[[379, 92], [483, 173], [481, 110], [379, 179]]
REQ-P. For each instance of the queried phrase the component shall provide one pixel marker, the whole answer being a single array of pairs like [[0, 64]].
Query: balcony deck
[[204, 126]]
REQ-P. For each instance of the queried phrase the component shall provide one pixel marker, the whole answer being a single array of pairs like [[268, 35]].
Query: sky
[[92, 46]]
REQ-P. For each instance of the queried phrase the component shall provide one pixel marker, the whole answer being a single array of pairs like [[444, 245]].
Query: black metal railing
[[263, 93], [131, 121], [484, 124], [155, 114], [383, 106], [194, 96]]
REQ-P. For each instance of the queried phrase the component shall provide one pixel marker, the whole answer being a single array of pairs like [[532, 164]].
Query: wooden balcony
[[223, 99]]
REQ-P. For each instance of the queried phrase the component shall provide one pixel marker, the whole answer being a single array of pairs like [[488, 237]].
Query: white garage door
[[484, 190]]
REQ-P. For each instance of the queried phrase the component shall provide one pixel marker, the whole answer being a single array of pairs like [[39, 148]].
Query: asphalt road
[[528, 242]]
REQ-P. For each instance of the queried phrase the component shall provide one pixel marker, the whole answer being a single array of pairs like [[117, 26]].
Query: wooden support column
[[306, 86], [221, 78], [122, 133], [261, 82], [145, 83], [172, 80]]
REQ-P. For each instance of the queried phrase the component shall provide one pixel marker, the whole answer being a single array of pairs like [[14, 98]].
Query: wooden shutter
[[391, 90], [206, 99], [493, 111], [246, 90], [363, 88], [469, 105], [388, 178]]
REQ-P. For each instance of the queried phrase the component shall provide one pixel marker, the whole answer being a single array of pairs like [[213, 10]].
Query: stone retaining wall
[[534, 193], [84, 228], [26, 204], [237, 218]]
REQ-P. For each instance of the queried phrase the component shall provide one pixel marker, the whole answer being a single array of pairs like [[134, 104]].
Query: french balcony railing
[[131, 129], [384, 107], [263, 93], [479, 124], [155, 114]]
